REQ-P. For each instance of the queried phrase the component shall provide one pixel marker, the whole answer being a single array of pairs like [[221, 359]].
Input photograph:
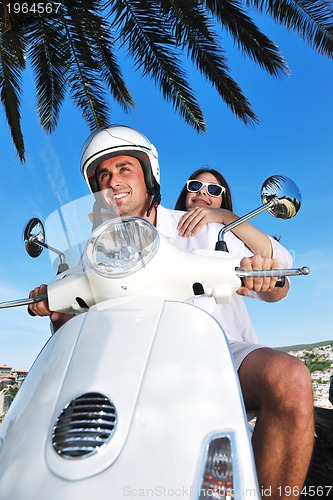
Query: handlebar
[[241, 273], [23, 302]]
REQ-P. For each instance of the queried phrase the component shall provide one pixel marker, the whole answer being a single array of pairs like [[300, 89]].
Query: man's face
[[122, 185]]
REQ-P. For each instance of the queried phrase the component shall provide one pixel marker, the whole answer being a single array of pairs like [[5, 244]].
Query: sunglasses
[[215, 190]]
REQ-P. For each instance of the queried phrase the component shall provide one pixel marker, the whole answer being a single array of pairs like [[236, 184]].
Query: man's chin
[[121, 208]]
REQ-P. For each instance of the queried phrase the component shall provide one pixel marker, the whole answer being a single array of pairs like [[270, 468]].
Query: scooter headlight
[[122, 246]]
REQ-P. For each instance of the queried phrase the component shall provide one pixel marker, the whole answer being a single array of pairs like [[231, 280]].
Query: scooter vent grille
[[84, 426]]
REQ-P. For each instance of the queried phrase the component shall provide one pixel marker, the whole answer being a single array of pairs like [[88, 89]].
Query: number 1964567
[[38, 8]]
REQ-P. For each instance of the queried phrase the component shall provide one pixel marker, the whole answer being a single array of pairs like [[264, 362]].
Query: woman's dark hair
[[226, 196]]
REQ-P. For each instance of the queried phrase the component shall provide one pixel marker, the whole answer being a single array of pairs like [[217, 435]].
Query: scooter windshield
[[119, 245], [69, 228]]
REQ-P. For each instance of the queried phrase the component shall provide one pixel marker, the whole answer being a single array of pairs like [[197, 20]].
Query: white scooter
[[137, 395]]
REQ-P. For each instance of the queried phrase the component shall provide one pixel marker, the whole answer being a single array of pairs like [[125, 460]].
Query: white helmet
[[119, 140]]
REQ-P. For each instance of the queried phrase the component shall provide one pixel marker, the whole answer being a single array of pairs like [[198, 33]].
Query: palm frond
[[12, 63], [84, 80], [103, 49], [247, 35], [311, 19], [49, 59], [145, 32], [75, 50], [193, 30]]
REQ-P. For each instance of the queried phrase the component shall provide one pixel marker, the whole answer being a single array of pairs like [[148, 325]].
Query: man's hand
[[39, 308], [265, 287], [42, 309]]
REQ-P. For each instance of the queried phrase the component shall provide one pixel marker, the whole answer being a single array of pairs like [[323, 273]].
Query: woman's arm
[[257, 241]]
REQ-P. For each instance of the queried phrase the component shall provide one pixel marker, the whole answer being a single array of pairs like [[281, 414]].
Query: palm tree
[[73, 49]]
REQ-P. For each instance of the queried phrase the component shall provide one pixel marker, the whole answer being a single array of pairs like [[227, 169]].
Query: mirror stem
[[221, 244], [62, 265]]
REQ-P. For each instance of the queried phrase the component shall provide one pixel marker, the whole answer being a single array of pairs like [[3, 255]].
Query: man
[[121, 168]]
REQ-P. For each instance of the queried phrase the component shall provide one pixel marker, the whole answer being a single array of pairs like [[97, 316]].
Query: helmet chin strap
[[156, 200]]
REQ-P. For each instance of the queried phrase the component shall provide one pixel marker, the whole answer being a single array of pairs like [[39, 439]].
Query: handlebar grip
[[280, 282], [30, 312]]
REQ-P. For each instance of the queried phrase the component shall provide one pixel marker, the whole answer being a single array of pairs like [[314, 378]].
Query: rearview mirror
[[285, 192], [33, 234]]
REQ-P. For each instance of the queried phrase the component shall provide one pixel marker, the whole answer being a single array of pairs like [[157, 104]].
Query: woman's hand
[[196, 218]]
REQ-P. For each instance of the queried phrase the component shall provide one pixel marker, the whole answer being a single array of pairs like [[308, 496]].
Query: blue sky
[[294, 138]]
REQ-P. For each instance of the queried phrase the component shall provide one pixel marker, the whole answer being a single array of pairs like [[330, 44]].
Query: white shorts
[[241, 349]]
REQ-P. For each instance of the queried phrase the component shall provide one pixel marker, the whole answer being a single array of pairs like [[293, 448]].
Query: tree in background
[[73, 49], [11, 391]]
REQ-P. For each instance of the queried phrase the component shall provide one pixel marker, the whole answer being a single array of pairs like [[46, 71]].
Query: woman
[[206, 198], [209, 200]]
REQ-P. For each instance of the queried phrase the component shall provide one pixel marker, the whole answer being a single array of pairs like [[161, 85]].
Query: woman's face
[[202, 198]]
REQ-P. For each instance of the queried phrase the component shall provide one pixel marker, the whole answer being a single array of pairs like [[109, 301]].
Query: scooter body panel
[[167, 368]]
